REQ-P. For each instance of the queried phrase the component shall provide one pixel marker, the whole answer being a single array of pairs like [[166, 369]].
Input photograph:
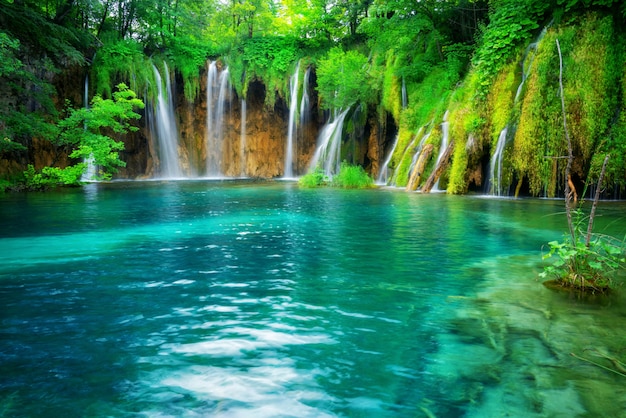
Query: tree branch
[[570, 153]]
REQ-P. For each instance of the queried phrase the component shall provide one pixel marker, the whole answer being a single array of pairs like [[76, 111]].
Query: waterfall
[[304, 103], [215, 119], [242, 143], [165, 127], [328, 153], [495, 177], [383, 174], [444, 144], [291, 129], [526, 66], [405, 100], [91, 170], [419, 148], [211, 79]]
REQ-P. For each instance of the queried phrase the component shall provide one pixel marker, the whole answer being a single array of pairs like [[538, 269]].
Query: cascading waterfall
[[328, 153], [215, 120], [418, 150], [383, 175], [445, 133], [304, 102], [91, 170], [291, 130], [495, 178], [494, 183], [210, 84], [242, 142], [165, 127]]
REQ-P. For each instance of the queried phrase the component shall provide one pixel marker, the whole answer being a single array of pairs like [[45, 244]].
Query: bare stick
[[595, 201], [570, 152]]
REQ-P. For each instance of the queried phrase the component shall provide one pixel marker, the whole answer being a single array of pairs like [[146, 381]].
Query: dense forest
[[473, 82]]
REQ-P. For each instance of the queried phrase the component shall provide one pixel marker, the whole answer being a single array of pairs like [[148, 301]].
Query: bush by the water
[[352, 177], [349, 177], [315, 178]]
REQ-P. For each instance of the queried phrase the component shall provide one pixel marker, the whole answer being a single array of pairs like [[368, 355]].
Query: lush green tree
[[342, 79], [89, 133]]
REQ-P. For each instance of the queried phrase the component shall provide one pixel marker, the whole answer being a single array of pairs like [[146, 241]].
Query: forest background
[[408, 63]]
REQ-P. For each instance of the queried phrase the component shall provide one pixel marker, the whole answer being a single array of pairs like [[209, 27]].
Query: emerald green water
[[261, 299]]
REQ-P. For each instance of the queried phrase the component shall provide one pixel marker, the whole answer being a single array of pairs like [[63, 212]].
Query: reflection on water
[[235, 299]]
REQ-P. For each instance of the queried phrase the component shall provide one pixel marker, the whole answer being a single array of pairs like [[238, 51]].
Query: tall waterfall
[[242, 141], [211, 79], [328, 152], [91, 170], [445, 133], [494, 182], [215, 118], [165, 129], [291, 130], [383, 174]]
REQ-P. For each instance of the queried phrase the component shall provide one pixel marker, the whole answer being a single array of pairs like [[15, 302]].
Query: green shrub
[[352, 177], [583, 267], [315, 178]]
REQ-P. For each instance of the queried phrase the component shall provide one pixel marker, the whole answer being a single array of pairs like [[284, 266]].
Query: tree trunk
[[443, 164], [416, 175]]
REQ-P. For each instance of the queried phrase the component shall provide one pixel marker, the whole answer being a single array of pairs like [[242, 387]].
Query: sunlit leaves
[[343, 79]]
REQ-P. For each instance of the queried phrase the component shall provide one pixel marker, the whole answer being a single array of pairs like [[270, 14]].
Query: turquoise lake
[[262, 299]]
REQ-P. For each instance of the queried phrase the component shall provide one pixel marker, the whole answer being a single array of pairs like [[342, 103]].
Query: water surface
[[238, 299]]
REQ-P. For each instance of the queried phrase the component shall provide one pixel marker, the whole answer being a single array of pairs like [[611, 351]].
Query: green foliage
[[86, 133], [315, 178], [44, 36], [349, 177], [590, 268], [7, 146], [342, 79], [269, 59], [352, 177], [119, 60], [188, 57], [84, 129], [9, 63], [512, 22], [539, 137]]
